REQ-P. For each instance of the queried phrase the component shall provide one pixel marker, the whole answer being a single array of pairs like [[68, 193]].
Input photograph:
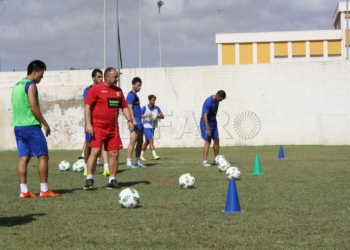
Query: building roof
[[307, 35]]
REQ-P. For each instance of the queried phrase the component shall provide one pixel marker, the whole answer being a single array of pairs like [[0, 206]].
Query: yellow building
[[288, 46]]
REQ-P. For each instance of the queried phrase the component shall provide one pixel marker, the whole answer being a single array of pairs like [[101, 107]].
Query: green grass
[[301, 202]]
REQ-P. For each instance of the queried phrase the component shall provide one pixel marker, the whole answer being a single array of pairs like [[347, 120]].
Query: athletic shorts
[[87, 137], [214, 133], [110, 141], [149, 133], [139, 126], [30, 141]]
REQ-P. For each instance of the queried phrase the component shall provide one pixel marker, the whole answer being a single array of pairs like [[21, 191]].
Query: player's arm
[[127, 115], [32, 91], [87, 115], [160, 114], [206, 123]]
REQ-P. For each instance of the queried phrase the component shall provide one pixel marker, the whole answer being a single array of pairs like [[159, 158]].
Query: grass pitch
[[301, 202]]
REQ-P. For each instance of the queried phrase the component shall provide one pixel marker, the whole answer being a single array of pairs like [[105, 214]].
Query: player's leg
[[132, 143], [144, 148], [22, 176], [104, 155], [96, 143], [207, 141], [113, 145], [24, 156], [82, 151], [152, 148], [139, 146], [38, 146], [216, 146], [148, 135]]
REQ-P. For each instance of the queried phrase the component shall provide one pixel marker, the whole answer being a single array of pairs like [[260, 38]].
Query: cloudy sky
[[66, 33]]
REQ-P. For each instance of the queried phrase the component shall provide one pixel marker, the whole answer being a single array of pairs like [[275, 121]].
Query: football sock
[[128, 161], [154, 153], [24, 188], [85, 166], [142, 152], [137, 160], [43, 187], [89, 176], [82, 154], [105, 166], [110, 179]]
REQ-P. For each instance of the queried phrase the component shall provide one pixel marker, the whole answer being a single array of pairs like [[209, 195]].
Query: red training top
[[105, 103]]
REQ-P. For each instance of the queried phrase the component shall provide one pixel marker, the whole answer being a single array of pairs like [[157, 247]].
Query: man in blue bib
[[208, 124]]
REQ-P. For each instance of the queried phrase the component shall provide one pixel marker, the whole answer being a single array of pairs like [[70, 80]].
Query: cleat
[[206, 164], [156, 157], [48, 193], [142, 158], [85, 172], [106, 172], [89, 184], [113, 185], [27, 195], [140, 165], [131, 166]]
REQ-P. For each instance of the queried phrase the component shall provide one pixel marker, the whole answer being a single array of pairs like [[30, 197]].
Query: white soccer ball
[[218, 157], [154, 116], [64, 166], [223, 164], [233, 173], [187, 180], [129, 198], [78, 166]]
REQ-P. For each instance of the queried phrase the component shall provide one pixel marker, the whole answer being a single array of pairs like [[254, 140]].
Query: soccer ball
[[64, 166], [154, 116], [129, 198], [186, 181], [217, 158], [78, 166], [233, 173], [223, 164]]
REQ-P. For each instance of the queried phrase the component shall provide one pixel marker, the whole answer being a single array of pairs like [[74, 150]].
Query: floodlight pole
[[347, 29], [140, 31], [104, 38], [160, 4]]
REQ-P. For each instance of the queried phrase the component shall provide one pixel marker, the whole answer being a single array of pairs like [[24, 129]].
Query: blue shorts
[[30, 141], [87, 137], [139, 126], [149, 133], [214, 133]]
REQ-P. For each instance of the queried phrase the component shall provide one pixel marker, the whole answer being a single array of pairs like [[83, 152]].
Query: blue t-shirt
[[86, 90], [133, 99], [210, 107]]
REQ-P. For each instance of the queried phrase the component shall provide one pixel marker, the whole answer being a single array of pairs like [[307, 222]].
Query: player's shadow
[[132, 183], [18, 220], [67, 191]]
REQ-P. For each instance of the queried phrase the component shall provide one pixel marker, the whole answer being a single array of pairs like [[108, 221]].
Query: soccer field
[[301, 202]]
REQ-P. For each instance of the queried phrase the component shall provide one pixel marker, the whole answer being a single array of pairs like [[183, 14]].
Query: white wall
[[275, 104]]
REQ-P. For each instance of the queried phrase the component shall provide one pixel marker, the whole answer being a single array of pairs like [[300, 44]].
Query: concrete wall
[[276, 104]]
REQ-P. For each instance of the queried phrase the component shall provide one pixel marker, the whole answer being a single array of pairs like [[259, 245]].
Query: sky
[[69, 34]]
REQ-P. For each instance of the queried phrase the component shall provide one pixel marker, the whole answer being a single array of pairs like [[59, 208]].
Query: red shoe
[[27, 195], [48, 193]]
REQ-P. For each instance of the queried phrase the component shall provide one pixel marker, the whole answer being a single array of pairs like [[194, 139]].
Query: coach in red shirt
[[101, 111]]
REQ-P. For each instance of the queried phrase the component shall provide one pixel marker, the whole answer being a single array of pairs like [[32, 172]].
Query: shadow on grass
[[67, 191], [131, 183], [18, 220]]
